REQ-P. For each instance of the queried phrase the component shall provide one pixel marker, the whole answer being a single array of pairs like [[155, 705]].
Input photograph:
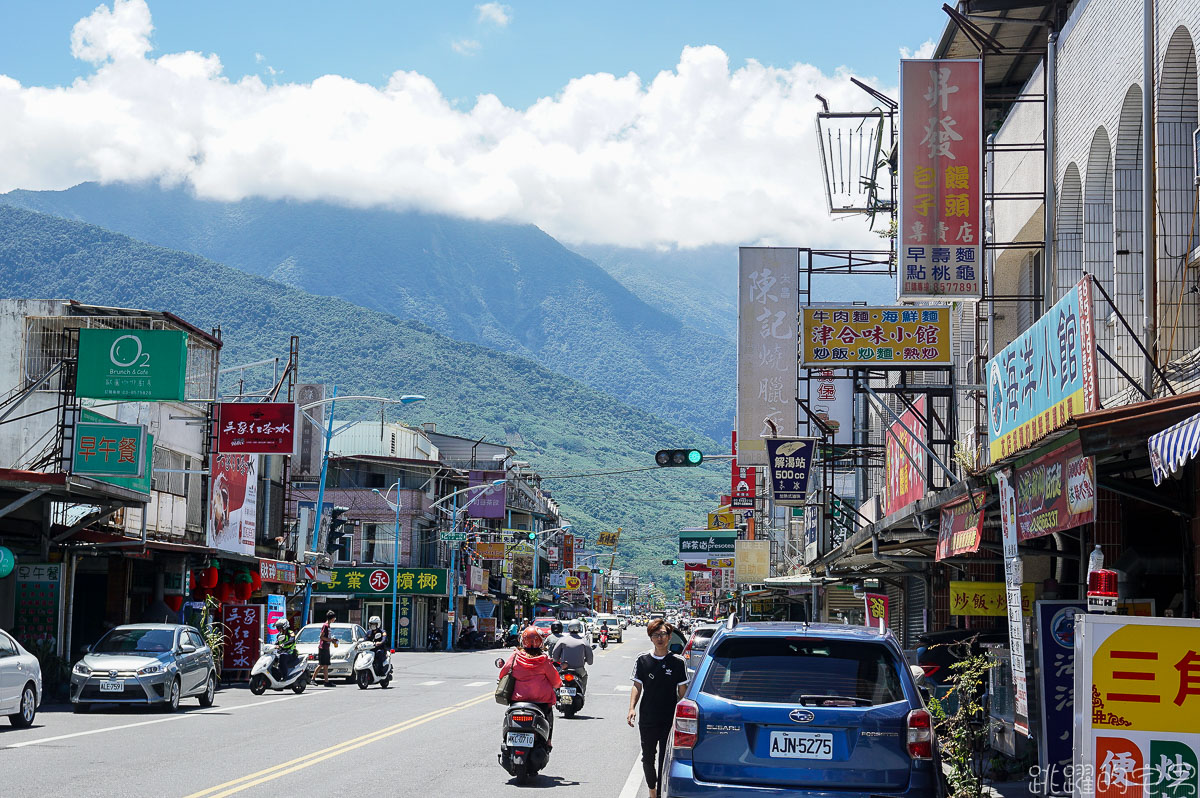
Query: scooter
[[433, 638], [263, 675], [524, 739], [603, 638], [571, 694], [364, 668]]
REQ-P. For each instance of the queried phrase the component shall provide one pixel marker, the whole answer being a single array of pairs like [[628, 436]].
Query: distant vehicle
[[817, 709], [543, 625], [614, 627], [145, 663], [341, 656], [20, 682], [697, 644]]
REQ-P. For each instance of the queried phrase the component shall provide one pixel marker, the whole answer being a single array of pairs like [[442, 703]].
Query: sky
[[661, 124]]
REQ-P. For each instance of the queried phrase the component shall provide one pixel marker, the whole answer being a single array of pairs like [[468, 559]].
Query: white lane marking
[[149, 722], [634, 782], [427, 684], [623, 688], [476, 684], [626, 656]]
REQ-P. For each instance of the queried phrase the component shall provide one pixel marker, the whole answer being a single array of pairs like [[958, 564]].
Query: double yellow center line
[[254, 779]]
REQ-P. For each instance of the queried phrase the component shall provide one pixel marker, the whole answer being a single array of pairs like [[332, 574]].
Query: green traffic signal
[[674, 458], [533, 536]]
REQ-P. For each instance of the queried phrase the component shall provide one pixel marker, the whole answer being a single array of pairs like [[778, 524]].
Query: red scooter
[[603, 637]]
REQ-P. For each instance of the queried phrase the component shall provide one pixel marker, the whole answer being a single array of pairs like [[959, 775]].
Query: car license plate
[[112, 687], [517, 738], [801, 745], [569, 690]]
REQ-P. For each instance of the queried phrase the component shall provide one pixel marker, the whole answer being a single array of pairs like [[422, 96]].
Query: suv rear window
[[804, 671]]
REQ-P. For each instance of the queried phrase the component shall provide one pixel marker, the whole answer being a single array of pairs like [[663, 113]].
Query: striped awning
[[1171, 449]]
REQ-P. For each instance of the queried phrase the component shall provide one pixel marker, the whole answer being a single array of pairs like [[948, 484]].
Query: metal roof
[[1018, 27]]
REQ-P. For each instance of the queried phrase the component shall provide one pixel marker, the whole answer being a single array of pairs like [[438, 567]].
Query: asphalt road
[[435, 732]]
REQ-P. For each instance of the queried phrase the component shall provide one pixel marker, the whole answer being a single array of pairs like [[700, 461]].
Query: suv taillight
[[920, 735], [687, 721], [686, 649]]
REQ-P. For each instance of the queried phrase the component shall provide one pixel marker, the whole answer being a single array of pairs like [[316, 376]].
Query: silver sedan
[[145, 663], [20, 682]]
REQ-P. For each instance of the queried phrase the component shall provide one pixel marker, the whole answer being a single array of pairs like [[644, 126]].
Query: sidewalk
[[1007, 789]]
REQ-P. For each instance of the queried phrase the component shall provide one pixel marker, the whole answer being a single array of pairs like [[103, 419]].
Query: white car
[[20, 682], [341, 656]]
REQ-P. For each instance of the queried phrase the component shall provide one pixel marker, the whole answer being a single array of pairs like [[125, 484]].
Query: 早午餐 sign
[[137, 365], [893, 337], [1056, 492], [940, 229], [108, 449], [1044, 378], [961, 528]]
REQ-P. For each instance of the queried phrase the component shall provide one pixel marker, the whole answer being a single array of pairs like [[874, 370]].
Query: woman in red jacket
[[535, 678]]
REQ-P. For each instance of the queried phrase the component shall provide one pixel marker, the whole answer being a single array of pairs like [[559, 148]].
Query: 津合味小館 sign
[[891, 337]]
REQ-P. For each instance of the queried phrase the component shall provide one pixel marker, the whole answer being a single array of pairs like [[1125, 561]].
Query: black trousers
[[548, 709], [654, 737]]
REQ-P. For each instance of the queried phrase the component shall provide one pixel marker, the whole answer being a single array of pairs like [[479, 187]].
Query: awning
[[1171, 449]]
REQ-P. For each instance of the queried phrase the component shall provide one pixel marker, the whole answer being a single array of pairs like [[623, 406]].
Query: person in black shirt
[[659, 680], [378, 640]]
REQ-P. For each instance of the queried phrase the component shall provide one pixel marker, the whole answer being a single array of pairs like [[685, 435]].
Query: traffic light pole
[[320, 505]]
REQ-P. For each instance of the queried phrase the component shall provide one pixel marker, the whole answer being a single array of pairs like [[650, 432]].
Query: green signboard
[[376, 581], [453, 536], [140, 484], [108, 449], [715, 542], [138, 365]]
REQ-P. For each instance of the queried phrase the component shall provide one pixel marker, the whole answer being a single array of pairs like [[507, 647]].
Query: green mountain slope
[[510, 287], [564, 427]]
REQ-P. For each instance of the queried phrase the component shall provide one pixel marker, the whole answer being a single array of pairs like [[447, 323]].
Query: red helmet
[[531, 638]]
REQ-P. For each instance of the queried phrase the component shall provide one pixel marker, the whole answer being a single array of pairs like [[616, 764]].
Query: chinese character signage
[[1056, 492], [751, 561], [1044, 378], [138, 365], [1014, 601], [378, 581], [791, 462], [256, 427], [489, 551], [243, 629], [608, 539], [140, 484], [875, 606], [768, 378], [961, 527], [986, 598], [698, 545], [722, 519], [486, 502], [568, 558], [904, 459], [108, 449], [276, 611], [277, 571], [1140, 677], [940, 235], [37, 597], [233, 503], [896, 337], [812, 527], [1056, 658], [743, 482], [830, 396]]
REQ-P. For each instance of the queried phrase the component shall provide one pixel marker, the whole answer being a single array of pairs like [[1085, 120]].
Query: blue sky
[[543, 45]]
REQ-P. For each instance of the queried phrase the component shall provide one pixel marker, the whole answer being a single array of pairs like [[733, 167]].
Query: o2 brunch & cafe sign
[[136, 365]]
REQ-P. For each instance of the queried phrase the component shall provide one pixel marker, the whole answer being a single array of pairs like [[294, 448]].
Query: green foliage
[[961, 725], [563, 427]]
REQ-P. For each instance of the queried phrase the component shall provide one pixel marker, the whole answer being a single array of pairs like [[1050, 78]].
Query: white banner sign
[[1013, 578]]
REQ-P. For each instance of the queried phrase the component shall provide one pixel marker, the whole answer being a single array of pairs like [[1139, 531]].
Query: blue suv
[[802, 710]]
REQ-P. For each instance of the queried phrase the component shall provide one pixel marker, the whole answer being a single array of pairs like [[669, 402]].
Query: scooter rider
[[573, 652], [378, 638], [285, 645], [556, 634], [536, 680]]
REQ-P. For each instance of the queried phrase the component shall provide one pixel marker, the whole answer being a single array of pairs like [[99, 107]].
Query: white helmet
[[281, 625], [374, 622], [575, 628]]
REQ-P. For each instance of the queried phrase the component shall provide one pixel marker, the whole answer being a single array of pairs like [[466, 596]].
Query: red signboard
[[277, 571], [243, 629], [876, 609], [568, 557], [1056, 492], [742, 483], [905, 460], [256, 427], [941, 179], [962, 527]]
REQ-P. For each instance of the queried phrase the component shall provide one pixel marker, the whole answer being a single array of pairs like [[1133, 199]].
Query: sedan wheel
[[172, 703], [210, 692], [24, 718]]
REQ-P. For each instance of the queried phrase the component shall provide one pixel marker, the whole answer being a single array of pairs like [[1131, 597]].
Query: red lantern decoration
[[255, 580], [174, 602], [209, 577], [243, 590], [224, 592]]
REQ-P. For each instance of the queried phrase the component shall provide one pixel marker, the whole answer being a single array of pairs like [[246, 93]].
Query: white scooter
[[263, 674], [364, 668]]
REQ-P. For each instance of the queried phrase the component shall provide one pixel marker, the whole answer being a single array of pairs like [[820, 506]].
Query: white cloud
[[496, 13], [465, 46], [924, 51], [700, 154], [259, 58]]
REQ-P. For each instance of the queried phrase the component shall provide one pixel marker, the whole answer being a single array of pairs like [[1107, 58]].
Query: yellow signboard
[[722, 519], [571, 583], [986, 598], [897, 337], [608, 539], [489, 551]]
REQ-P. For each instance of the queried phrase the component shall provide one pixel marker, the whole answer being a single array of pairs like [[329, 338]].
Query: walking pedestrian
[[659, 680], [323, 649]]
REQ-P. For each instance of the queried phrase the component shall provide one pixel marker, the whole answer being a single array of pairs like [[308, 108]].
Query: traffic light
[[674, 458], [533, 535], [338, 529], [598, 571], [674, 561]]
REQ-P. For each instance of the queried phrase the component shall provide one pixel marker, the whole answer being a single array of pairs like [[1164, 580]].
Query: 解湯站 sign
[[789, 462]]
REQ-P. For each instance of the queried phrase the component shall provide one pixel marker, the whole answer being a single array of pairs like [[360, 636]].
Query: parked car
[[937, 651], [20, 682], [812, 710], [145, 663], [615, 630], [341, 656], [693, 652]]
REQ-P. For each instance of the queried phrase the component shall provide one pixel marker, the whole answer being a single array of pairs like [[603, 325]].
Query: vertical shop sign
[[568, 558], [243, 630], [791, 461], [875, 606], [743, 482], [1013, 591], [904, 459], [961, 529], [233, 503], [487, 502], [276, 610], [768, 375], [941, 179], [1056, 683], [831, 398], [38, 593], [403, 623], [1056, 492]]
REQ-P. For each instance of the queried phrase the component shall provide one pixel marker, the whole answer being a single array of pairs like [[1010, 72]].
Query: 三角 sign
[[108, 449], [961, 529], [137, 365], [940, 228], [256, 427], [891, 337], [377, 581], [790, 462], [1044, 378], [1056, 492]]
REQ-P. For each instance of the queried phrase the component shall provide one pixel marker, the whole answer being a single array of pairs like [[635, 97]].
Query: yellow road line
[[254, 779]]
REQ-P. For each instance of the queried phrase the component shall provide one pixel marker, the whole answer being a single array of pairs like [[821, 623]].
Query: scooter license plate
[[522, 739], [570, 690]]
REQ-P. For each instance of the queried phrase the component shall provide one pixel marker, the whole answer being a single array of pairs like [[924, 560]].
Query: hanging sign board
[[904, 459], [891, 337], [1056, 492], [256, 427], [104, 449], [743, 481], [790, 461], [831, 397], [752, 561], [699, 545], [1014, 602], [961, 529], [1056, 682], [136, 365]]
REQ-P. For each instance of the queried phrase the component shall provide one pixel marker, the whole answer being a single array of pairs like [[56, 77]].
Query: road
[[435, 732]]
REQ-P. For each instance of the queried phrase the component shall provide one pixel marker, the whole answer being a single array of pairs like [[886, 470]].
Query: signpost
[[256, 427], [134, 365]]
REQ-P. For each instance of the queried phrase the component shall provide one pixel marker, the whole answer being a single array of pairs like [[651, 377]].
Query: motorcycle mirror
[[593, 646], [499, 662]]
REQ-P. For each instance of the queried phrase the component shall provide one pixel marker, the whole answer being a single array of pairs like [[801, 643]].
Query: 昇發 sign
[[940, 229], [986, 598], [961, 529], [1044, 378], [1138, 682], [137, 365], [893, 337], [1056, 492]]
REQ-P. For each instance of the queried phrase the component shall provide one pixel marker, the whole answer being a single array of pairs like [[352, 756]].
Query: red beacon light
[[1102, 591]]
